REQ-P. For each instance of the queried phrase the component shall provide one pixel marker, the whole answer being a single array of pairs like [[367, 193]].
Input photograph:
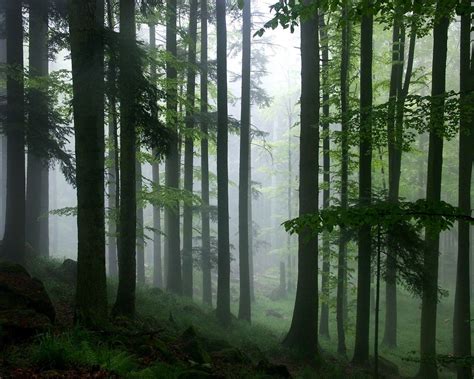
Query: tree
[[462, 312], [361, 350], [303, 333], [244, 168], [173, 276], [140, 242], [341, 296], [433, 192], [205, 237], [37, 186], [189, 153], [14, 238], [128, 68], [324, 321], [223, 258], [87, 53], [157, 262]]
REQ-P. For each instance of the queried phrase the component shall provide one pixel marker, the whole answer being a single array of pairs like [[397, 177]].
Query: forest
[[236, 189]]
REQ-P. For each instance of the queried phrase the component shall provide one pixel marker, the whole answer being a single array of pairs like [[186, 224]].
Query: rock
[[273, 370], [231, 355], [25, 306]]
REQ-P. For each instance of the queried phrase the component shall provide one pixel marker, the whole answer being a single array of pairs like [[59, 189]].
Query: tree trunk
[[361, 350], [341, 296], [14, 238], [128, 68], [205, 237], [173, 169], [87, 53], [462, 300], [223, 259], [428, 367], [140, 241], [37, 171], [324, 321], [157, 263], [189, 154], [244, 168], [303, 334]]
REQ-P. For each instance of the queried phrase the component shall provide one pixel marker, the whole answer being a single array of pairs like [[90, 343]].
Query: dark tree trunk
[[324, 321], [3, 139], [250, 222], [189, 153], [428, 367], [244, 168], [303, 334], [128, 68], [223, 259], [462, 301], [361, 351], [14, 238], [113, 174], [37, 171], [205, 238], [157, 263], [173, 169], [87, 53], [289, 189], [140, 242], [341, 296]]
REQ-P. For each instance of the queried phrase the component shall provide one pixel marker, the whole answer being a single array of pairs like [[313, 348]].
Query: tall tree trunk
[[157, 263], [250, 222], [324, 321], [223, 259], [462, 300], [87, 53], [140, 241], [3, 139], [14, 238], [128, 69], [172, 173], [303, 334], [205, 237], [113, 174], [189, 153], [428, 367], [244, 168], [289, 205], [361, 351], [37, 171], [341, 295]]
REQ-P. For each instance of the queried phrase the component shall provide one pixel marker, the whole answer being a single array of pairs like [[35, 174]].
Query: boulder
[[25, 306]]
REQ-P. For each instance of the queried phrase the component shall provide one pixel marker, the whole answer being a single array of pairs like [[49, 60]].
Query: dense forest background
[[294, 178]]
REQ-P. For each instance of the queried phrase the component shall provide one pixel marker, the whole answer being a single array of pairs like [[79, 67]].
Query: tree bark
[[361, 350], [140, 239], [14, 238], [87, 53], [189, 153], [223, 258], [244, 168], [303, 334]]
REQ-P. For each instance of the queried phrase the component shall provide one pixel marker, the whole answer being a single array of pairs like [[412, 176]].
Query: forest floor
[[177, 338]]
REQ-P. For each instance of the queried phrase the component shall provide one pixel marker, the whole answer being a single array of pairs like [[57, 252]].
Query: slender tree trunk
[[289, 204], [189, 153], [140, 239], [157, 263], [14, 238], [250, 222], [428, 367], [128, 68], [462, 300], [341, 295], [361, 350], [113, 177], [3, 139], [303, 334], [172, 173], [87, 53], [223, 258], [37, 170], [324, 321], [244, 168], [205, 238]]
